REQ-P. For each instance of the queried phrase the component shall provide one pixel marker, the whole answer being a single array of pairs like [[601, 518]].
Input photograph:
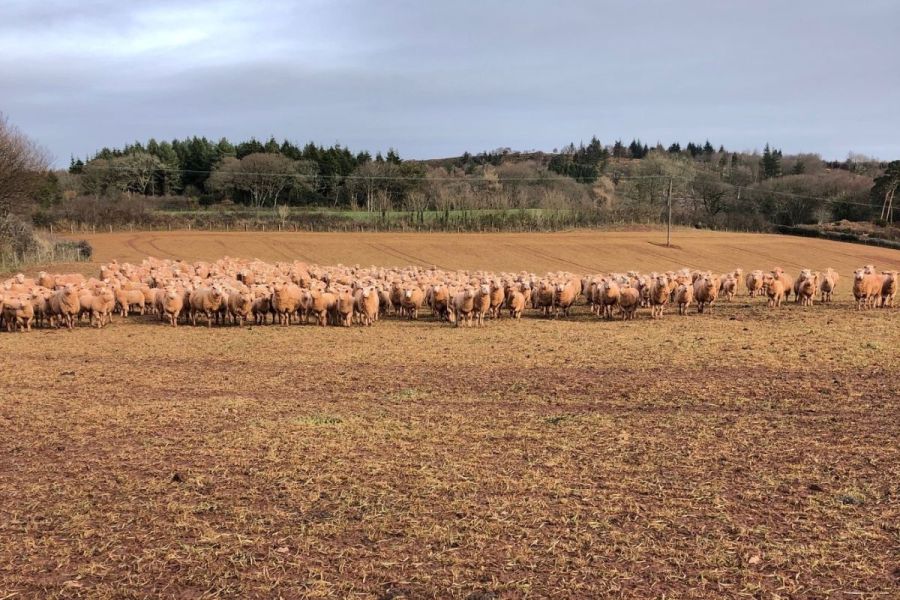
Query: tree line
[[616, 183]]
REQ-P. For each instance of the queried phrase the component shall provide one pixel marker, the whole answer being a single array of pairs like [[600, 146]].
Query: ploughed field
[[578, 251], [750, 452]]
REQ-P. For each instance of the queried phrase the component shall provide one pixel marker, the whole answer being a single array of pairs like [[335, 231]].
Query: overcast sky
[[438, 78]]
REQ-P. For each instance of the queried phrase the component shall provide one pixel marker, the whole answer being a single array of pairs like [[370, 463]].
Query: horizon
[[435, 82]]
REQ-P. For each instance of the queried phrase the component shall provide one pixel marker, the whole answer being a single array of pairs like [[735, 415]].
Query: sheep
[[366, 304], [342, 290], [515, 302], [411, 301], [65, 305], [206, 301], [659, 296], [439, 300], [18, 312], [171, 305], [774, 290], [629, 300], [564, 295], [261, 308], [607, 297], [101, 306], [684, 295], [738, 276], [463, 306], [128, 300], [754, 282], [285, 302], [729, 287], [786, 280], [73, 279], [342, 311], [482, 303], [706, 290], [149, 297], [320, 305], [396, 297], [888, 288], [803, 276], [867, 287], [40, 303], [644, 285], [46, 280], [805, 288], [828, 284], [498, 295], [384, 302], [240, 306], [526, 289], [543, 297]]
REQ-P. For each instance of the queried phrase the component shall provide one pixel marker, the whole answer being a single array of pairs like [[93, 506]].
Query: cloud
[[435, 79]]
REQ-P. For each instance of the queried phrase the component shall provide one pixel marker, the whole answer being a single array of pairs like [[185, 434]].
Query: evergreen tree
[[224, 148], [272, 146], [252, 146], [770, 163]]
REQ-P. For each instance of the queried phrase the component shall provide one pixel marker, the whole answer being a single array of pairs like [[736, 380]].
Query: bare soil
[[747, 453]]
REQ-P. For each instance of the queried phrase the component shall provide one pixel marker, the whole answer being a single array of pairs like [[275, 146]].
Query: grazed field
[[745, 453]]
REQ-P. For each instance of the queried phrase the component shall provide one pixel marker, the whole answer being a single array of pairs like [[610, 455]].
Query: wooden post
[[669, 220]]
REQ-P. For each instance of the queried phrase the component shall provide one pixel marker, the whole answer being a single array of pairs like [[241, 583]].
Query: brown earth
[[577, 251], [744, 453]]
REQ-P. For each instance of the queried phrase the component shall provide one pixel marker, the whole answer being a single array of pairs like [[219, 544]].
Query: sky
[[435, 79]]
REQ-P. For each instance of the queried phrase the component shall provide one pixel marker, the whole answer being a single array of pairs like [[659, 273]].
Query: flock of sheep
[[242, 291]]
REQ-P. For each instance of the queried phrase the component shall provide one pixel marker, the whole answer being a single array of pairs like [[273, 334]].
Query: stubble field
[[747, 453]]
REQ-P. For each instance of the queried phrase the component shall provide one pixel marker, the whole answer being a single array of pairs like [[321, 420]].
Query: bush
[[82, 248]]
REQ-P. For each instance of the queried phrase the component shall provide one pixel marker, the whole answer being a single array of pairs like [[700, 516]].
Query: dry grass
[[747, 453]]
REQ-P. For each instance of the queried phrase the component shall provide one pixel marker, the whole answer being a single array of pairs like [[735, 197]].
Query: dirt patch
[[741, 453]]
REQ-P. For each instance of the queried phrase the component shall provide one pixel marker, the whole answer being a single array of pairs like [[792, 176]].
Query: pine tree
[[76, 166], [770, 163]]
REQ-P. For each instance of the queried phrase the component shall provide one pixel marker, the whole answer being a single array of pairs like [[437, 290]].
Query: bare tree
[[262, 176], [366, 180], [284, 211], [22, 166], [416, 202], [709, 192], [138, 170], [373, 177], [383, 202]]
